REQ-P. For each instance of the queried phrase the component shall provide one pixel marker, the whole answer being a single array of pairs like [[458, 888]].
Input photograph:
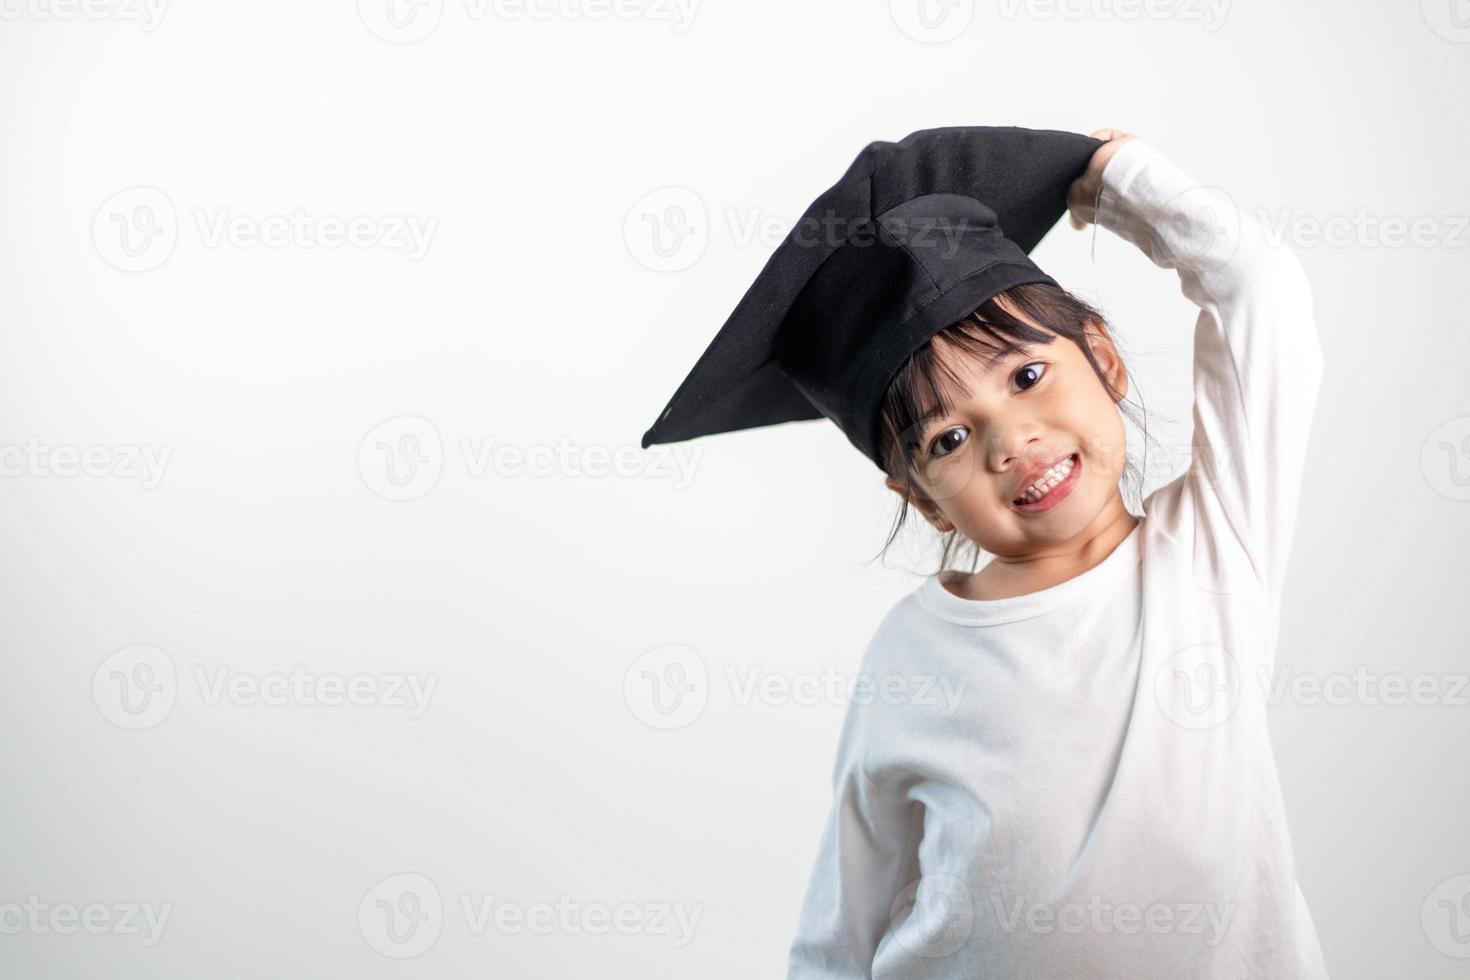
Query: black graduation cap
[[913, 237]]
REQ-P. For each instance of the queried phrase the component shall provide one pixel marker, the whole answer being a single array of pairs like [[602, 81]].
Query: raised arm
[[1257, 368]]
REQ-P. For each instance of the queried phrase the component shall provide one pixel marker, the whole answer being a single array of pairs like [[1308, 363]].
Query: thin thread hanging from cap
[[1096, 209]]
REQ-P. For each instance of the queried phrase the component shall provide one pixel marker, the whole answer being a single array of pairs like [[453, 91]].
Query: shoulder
[[905, 630], [911, 657]]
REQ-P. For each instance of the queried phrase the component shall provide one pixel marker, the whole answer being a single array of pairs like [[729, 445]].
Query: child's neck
[[1007, 579]]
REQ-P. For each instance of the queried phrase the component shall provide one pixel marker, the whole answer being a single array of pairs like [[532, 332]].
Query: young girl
[[1104, 802]]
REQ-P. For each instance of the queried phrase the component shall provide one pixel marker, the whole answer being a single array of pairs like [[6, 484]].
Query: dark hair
[[990, 332]]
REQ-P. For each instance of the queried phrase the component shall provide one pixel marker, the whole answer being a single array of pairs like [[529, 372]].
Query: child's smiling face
[[1016, 417]]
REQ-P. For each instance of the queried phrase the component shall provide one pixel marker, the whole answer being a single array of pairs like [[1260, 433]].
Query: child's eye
[[1029, 370], [944, 444]]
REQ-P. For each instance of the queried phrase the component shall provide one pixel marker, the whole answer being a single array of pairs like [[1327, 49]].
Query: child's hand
[[1082, 195]]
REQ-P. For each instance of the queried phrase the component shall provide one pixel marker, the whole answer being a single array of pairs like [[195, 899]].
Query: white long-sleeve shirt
[[1101, 799]]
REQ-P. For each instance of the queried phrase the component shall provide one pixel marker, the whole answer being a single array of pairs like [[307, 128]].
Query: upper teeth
[[1048, 480]]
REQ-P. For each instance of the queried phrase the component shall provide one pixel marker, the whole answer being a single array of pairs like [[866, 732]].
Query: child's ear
[[925, 506], [1105, 352]]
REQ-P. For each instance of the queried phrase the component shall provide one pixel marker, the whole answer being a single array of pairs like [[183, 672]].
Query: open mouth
[[1051, 489]]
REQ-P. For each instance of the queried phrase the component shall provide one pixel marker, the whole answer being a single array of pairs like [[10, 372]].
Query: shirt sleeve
[[866, 857], [1257, 367]]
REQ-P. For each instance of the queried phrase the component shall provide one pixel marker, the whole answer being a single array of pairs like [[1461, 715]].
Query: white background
[[526, 140]]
